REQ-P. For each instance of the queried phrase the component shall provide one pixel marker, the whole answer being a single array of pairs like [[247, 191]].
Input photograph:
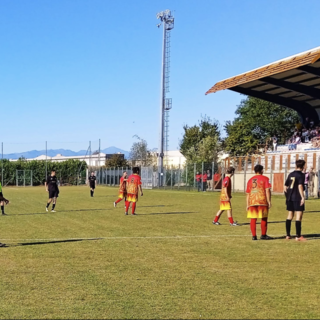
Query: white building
[[174, 158]]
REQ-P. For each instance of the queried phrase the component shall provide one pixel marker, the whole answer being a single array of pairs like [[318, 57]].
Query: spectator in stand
[[209, 180], [204, 181], [198, 179], [275, 142], [307, 123], [306, 182], [304, 135], [298, 139], [311, 123]]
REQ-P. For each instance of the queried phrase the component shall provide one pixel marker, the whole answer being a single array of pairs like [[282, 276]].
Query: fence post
[[194, 175], [245, 175], [202, 169], [318, 188], [179, 175], [186, 177], [31, 182], [271, 170]]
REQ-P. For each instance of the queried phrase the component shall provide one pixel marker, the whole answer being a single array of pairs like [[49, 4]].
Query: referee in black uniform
[[294, 191], [52, 187], [92, 183]]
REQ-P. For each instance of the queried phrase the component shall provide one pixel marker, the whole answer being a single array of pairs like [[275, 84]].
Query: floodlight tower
[[167, 20]]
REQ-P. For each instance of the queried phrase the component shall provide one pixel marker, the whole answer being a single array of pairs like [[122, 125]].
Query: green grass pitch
[[90, 261]]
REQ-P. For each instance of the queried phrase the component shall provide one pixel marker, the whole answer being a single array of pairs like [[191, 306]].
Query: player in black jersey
[[52, 187], [294, 191], [92, 183]]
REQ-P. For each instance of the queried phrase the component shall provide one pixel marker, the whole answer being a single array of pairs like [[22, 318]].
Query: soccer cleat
[[217, 223], [288, 237], [2, 245], [254, 238], [4, 214], [47, 209], [265, 237], [53, 211], [234, 224], [301, 239], [114, 204], [133, 214], [126, 213]]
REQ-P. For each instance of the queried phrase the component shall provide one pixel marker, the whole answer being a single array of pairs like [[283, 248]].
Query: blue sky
[[72, 71]]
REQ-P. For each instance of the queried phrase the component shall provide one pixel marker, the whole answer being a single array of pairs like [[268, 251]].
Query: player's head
[[53, 172], [300, 164], [258, 168], [92, 173], [136, 170], [230, 170]]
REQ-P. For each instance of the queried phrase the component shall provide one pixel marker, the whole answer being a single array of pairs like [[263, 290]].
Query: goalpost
[[24, 178]]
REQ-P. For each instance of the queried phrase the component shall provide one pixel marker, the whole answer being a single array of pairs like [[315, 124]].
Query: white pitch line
[[124, 238]]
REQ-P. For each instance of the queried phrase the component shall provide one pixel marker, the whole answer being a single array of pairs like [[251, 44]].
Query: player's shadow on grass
[[248, 223], [180, 212], [312, 211], [50, 213], [51, 242], [161, 205]]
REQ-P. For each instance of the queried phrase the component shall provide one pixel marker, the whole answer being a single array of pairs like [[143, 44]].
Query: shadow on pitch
[[180, 212], [49, 213], [248, 223], [311, 236], [50, 242]]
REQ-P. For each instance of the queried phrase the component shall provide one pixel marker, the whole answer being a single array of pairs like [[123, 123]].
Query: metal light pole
[[167, 20]]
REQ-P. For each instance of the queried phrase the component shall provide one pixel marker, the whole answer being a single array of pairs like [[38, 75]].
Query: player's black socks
[[288, 227], [91, 192], [298, 228], [2, 209], [53, 206], [48, 204]]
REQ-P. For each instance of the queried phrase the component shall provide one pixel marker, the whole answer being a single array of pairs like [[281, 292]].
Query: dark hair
[[300, 163], [136, 170], [258, 168], [53, 170], [230, 170]]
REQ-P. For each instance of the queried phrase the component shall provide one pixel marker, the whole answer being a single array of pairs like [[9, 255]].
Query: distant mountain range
[[64, 152]]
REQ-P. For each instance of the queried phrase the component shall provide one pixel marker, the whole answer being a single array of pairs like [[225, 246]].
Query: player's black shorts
[[92, 186], [295, 206], [53, 193], [1, 195]]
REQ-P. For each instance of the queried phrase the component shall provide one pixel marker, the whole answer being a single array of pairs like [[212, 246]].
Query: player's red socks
[[264, 226], [253, 227], [133, 207], [118, 200], [216, 219], [230, 220], [127, 205]]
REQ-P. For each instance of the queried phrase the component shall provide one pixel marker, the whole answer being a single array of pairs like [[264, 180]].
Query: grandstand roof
[[293, 82]]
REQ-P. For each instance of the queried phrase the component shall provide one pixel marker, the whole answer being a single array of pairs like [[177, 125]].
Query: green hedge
[[68, 172]]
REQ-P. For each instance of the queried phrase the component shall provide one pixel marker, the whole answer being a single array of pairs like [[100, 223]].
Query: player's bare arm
[[301, 194], [141, 193], [226, 193], [248, 197], [46, 186], [268, 194]]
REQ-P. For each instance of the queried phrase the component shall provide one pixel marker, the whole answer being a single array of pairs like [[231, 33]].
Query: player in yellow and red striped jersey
[[259, 202], [133, 187], [225, 199]]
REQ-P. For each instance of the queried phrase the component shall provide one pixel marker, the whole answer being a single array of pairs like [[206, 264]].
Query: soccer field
[[88, 260]]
